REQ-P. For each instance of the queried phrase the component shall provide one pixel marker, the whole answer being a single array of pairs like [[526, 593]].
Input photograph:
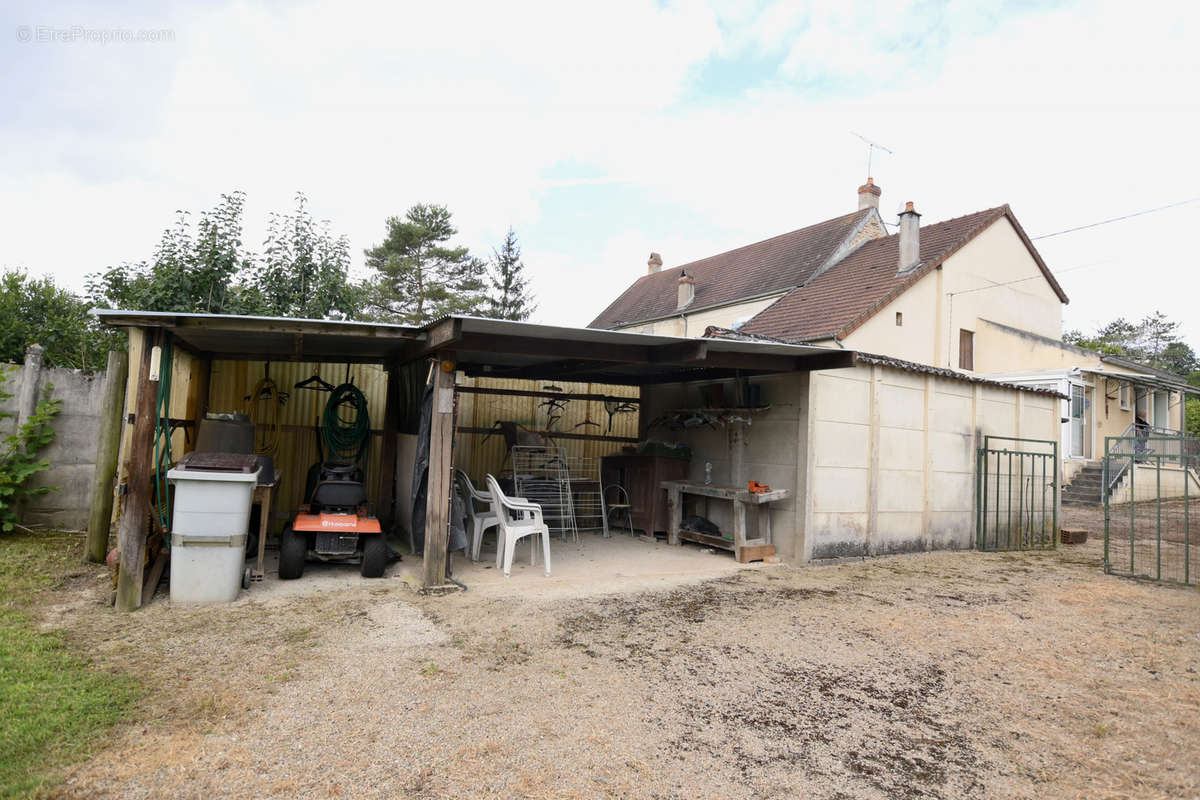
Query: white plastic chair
[[480, 520], [518, 518]]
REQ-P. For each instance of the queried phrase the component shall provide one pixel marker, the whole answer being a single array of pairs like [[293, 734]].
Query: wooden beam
[[551, 370], [586, 437], [533, 393], [437, 501], [336, 358], [112, 414], [141, 463], [365, 330], [680, 352], [445, 334], [387, 468]]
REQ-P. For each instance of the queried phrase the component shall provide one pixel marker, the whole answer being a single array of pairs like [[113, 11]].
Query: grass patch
[[53, 705]]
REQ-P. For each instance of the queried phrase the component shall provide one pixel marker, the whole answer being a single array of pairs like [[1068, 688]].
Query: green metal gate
[[1151, 483], [1016, 494]]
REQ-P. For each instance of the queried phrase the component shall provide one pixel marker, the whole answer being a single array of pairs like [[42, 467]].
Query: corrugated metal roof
[[498, 348]]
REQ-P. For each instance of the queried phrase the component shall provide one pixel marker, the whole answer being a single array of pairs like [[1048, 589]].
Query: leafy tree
[[187, 273], [417, 275], [1153, 340], [18, 455], [35, 310], [304, 271], [510, 297], [1179, 358]]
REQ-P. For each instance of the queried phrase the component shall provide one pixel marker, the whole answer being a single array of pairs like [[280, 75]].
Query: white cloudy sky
[[603, 131]]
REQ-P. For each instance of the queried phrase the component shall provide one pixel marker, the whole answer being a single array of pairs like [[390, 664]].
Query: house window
[[1123, 396], [899, 319], [966, 349]]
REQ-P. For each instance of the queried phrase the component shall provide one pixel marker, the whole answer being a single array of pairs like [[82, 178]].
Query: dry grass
[[940, 675]]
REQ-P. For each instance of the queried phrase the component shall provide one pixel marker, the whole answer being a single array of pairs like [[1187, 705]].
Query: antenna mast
[[871, 148]]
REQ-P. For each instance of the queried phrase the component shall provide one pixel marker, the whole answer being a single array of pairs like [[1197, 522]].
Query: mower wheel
[[292, 549], [374, 556]]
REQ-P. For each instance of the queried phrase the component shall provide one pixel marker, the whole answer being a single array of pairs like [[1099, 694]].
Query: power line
[[1032, 277], [1117, 219]]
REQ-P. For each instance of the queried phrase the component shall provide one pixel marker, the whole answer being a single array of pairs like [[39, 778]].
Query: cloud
[[601, 133]]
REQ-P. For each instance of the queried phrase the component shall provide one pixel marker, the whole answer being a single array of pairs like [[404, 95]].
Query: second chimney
[[687, 291], [910, 238], [654, 263], [868, 195]]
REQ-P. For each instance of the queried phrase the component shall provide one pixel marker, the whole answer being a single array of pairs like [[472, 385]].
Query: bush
[[18, 455]]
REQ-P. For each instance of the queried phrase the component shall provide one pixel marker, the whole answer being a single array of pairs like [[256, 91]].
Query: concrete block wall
[[894, 457], [72, 454]]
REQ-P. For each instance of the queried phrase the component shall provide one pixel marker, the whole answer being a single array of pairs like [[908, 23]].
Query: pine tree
[[510, 297], [418, 276]]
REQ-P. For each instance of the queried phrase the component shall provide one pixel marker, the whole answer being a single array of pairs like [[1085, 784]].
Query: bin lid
[[196, 466]]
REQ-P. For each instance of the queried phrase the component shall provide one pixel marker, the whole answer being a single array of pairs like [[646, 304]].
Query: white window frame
[[1125, 396]]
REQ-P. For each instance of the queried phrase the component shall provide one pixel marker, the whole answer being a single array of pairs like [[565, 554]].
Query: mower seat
[[339, 494]]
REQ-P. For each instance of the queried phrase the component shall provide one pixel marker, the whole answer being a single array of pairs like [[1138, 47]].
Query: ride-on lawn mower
[[336, 524]]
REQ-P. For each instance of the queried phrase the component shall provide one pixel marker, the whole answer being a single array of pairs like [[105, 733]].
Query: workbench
[[743, 549]]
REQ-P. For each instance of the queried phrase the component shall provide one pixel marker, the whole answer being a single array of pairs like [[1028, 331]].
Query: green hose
[[162, 436], [346, 423]]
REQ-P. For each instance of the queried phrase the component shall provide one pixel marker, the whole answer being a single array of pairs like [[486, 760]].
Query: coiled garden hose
[[346, 424]]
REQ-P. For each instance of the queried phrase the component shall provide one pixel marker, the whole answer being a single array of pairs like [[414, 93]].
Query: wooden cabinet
[[642, 476]]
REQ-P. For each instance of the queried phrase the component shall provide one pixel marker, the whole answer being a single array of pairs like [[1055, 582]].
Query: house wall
[[983, 280], [724, 317], [879, 460], [1012, 350]]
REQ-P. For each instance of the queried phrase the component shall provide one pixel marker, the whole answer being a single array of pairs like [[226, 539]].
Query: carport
[[407, 355]]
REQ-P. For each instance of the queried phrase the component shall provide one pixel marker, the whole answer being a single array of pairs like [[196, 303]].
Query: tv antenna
[[871, 148]]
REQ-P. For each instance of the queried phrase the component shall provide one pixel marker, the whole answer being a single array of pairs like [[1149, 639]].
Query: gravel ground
[[936, 675]]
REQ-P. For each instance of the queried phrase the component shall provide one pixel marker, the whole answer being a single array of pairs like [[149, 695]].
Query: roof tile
[[775, 264]]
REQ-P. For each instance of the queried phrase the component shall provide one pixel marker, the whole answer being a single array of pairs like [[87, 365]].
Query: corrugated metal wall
[[478, 458], [231, 381]]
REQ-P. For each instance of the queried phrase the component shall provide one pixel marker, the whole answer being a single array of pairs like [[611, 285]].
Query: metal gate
[[1151, 483], [1016, 497]]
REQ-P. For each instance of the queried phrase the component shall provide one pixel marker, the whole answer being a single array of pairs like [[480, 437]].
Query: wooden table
[[743, 549], [263, 493]]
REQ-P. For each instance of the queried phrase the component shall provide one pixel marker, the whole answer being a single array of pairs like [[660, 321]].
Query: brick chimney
[[654, 263], [687, 291], [868, 195], [910, 238]]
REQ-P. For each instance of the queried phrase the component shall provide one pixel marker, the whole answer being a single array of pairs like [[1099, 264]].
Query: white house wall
[[985, 280], [698, 321]]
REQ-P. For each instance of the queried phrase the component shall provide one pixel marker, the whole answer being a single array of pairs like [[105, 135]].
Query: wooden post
[[112, 414], [437, 502], [387, 464], [674, 515], [141, 464]]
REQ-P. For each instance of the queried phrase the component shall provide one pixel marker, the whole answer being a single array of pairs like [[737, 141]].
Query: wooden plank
[[674, 515], [739, 524], [141, 465], [386, 490], [441, 443], [754, 552], [729, 492], [112, 414], [558, 395], [587, 437], [156, 571], [704, 538]]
